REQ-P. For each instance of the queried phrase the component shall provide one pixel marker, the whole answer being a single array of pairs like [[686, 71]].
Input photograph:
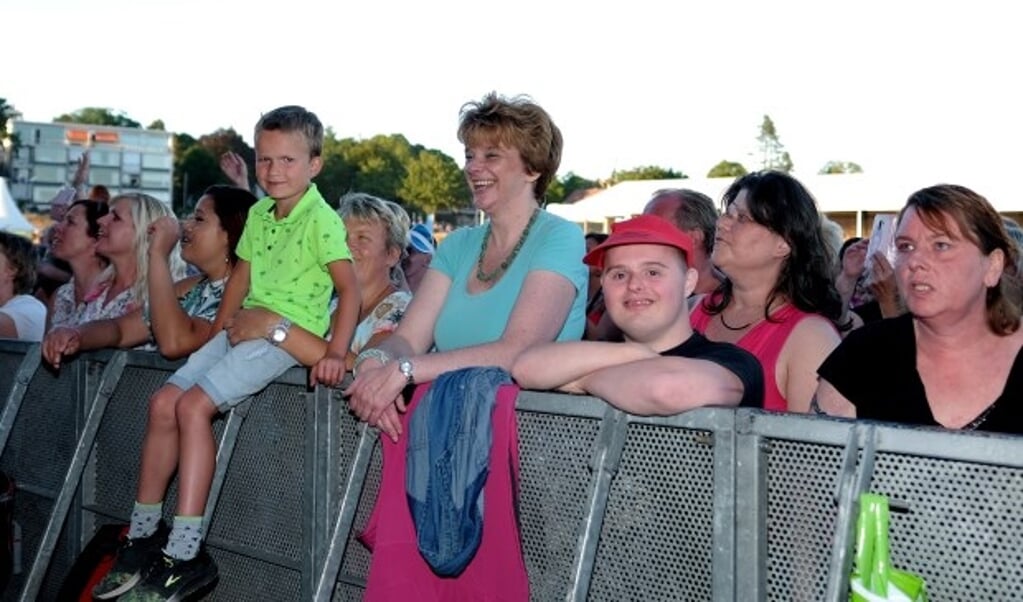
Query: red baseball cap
[[641, 230]]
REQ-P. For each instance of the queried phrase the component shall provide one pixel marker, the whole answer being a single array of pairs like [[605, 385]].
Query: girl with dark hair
[[778, 299], [177, 316]]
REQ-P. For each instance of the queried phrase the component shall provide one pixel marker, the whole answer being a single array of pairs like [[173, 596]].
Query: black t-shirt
[[875, 369], [738, 361]]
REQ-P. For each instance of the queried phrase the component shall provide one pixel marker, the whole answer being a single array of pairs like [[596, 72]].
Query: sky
[[895, 86]]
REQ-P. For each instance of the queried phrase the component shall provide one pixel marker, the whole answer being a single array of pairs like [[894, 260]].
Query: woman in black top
[[954, 361]]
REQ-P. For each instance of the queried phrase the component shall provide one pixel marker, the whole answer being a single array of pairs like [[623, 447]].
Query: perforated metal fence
[[713, 504]]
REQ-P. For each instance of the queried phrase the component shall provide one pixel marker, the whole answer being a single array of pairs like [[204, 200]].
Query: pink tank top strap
[[766, 340]]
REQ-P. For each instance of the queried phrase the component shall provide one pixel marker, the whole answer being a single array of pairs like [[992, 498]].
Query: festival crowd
[[754, 300]]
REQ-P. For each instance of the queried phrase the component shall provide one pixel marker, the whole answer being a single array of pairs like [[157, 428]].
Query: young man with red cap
[[663, 367]]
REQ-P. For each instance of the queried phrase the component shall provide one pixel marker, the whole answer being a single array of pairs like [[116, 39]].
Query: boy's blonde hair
[[294, 118]]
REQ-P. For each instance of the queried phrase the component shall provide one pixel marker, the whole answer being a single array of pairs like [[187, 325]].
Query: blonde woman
[[124, 241]]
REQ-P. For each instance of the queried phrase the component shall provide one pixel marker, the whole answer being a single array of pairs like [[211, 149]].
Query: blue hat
[[421, 239]]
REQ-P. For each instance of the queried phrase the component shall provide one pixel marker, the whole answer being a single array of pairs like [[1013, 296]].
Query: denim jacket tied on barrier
[[450, 435]]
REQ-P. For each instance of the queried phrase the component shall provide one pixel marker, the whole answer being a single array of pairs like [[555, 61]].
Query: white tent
[[11, 218]]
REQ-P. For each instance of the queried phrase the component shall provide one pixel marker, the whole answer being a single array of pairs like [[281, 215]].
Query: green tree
[[337, 175], [772, 152], [157, 125], [380, 163], [198, 170], [7, 112], [9, 143], [433, 181], [832, 167], [727, 169], [388, 166], [561, 188], [647, 172], [223, 140], [99, 116]]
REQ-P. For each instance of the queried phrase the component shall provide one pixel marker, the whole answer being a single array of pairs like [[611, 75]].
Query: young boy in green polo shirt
[[291, 255]]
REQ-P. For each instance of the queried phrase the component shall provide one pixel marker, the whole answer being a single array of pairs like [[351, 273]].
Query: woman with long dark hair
[[778, 299]]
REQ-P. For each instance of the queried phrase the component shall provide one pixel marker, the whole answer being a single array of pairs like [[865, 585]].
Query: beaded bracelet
[[371, 353]]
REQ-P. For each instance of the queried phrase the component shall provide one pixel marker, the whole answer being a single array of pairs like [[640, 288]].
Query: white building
[[122, 159], [852, 200]]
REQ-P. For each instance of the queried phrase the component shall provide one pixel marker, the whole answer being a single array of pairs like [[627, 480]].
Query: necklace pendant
[[503, 266]]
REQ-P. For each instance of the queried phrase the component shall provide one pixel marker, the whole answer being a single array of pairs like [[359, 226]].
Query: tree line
[[423, 180]]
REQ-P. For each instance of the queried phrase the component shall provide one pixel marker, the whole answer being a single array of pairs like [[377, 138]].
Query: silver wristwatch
[[279, 332], [405, 367]]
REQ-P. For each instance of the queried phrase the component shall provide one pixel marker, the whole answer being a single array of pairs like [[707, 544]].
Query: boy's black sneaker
[[133, 556], [172, 580]]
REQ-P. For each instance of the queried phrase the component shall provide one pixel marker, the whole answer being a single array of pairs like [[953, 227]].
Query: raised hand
[[882, 284], [82, 171], [233, 166]]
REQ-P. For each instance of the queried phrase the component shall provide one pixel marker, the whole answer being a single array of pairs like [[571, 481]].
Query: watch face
[[278, 335]]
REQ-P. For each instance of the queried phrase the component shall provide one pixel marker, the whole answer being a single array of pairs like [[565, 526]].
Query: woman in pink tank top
[[778, 299]]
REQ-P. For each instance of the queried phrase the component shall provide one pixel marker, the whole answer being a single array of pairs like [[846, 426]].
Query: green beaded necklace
[[484, 276]]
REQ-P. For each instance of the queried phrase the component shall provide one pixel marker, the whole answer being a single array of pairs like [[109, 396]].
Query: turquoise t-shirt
[[554, 245]]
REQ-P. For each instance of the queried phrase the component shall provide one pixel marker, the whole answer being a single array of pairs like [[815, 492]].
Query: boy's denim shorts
[[230, 374]]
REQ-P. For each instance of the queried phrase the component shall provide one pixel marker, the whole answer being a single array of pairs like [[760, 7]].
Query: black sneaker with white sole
[[172, 580], [133, 556]]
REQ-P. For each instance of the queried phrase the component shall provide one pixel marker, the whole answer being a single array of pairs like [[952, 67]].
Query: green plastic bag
[[874, 579]]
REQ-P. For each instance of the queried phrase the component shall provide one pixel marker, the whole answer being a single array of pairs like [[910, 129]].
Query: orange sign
[[76, 136], [105, 137], [84, 137]]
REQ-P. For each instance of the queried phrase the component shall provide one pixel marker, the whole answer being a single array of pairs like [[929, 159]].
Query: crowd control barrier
[[713, 504]]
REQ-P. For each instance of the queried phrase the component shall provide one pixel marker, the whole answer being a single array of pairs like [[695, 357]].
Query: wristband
[[371, 353]]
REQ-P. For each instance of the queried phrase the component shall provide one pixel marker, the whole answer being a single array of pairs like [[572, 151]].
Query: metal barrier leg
[[750, 511], [346, 513], [27, 369], [224, 452], [852, 483], [604, 462], [111, 376], [723, 580]]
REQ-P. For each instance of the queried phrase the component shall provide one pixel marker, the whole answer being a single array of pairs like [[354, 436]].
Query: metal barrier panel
[[557, 439], [657, 540], [10, 361], [258, 536], [111, 479], [956, 522], [801, 517], [351, 581], [37, 455], [790, 503], [683, 506], [261, 525]]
